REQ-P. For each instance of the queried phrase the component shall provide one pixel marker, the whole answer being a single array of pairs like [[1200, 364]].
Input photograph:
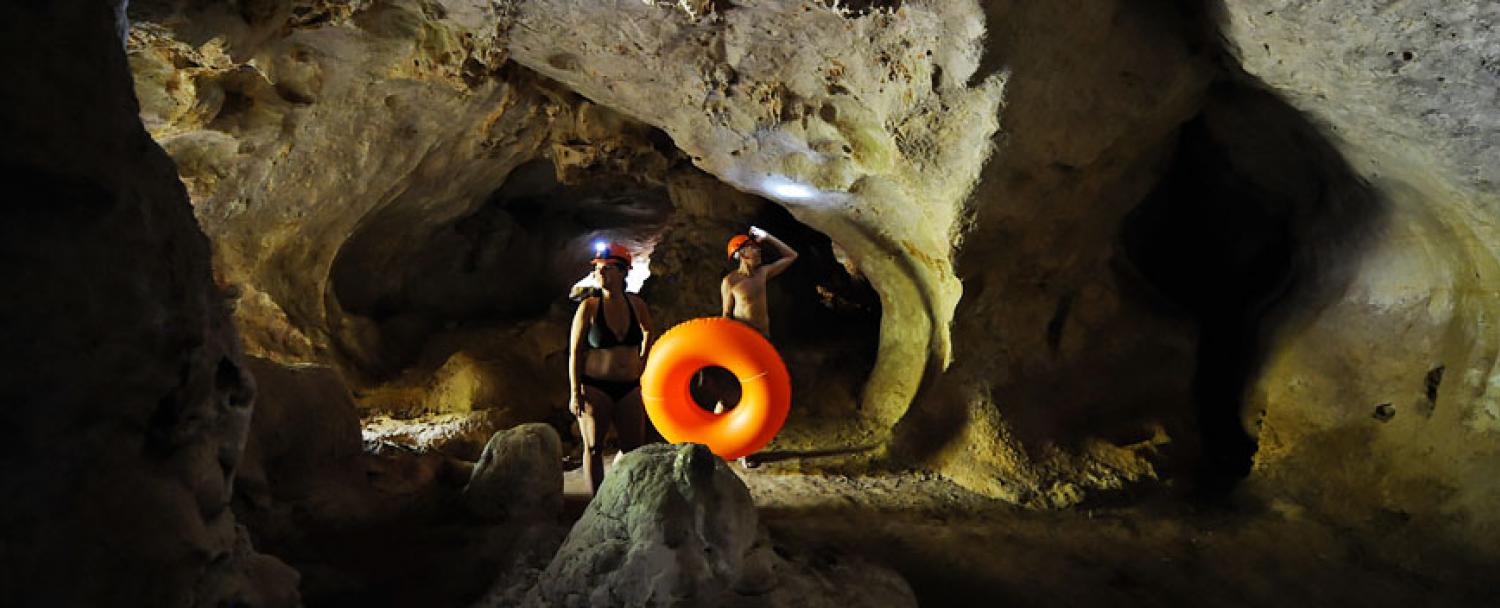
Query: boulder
[[519, 475], [672, 525]]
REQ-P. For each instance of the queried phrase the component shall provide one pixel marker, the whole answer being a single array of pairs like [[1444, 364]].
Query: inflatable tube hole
[[713, 385]]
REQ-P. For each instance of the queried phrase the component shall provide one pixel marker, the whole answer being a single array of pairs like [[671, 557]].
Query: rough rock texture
[[863, 126], [285, 138], [1066, 380], [519, 476], [674, 526], [331, 152], [305, 468], [443, 292], [874, 118], [1379, 398], [461, 436], [518, 483], [1409, 87], [125, 403], [382, 524], [1164, 255], [1159, 260]]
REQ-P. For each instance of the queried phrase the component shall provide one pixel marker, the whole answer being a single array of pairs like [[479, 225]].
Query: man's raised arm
[[787, 254]]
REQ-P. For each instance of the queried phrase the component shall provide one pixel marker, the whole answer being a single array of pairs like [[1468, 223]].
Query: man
[[744, 292], [744, 289]]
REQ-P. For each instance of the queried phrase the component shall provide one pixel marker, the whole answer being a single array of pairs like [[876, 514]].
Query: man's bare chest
[[748, 287]]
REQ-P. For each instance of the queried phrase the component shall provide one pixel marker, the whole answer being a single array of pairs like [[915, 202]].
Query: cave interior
[[1094, 302]]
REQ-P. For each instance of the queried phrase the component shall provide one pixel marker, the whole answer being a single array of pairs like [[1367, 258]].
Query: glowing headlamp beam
[[785, 188]]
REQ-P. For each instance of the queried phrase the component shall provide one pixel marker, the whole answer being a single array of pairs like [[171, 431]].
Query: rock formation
[[519, 476], [1057, 252], [124, 385], [999, 285], [672, 525], [1376, 391], [862, 125]]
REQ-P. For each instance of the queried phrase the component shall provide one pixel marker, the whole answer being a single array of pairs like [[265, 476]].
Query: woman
[[610, 339]]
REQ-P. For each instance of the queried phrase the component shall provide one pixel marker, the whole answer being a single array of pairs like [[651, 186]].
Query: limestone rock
[[461, 436], [282, 129], [1377, 403], [1407, 88], [125, 398], [863, 126], [304, 464], [519, 476], [673, 525], [367, 520], [1067, 367], [375, 176], [1063, 371], [251, 578]]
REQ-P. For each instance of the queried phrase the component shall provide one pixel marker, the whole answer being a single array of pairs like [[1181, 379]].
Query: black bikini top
[[601, 336]]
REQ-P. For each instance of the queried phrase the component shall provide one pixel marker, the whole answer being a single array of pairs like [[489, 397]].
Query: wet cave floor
[[958, 548]]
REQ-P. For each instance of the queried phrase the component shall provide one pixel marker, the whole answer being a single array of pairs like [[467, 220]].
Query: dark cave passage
[[509, 259], [1231, 232]]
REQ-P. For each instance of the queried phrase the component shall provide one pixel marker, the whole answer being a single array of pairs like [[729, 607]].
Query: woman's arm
[[575, 361], [643, 317]]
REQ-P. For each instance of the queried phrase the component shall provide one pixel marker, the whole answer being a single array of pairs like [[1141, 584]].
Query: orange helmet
[[738, 242], [609, 253]]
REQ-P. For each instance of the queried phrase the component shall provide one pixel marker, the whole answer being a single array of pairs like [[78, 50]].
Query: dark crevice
[[1058, 322], [1227, 235], [1431, 383], [860, 8]]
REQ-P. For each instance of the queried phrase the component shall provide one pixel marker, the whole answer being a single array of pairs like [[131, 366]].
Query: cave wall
[[1067, 381], [296, 129], [863, 124], [365, 152], [1072, 373], [1377, 401], [247, 101], [1071, 370], [124, 394]]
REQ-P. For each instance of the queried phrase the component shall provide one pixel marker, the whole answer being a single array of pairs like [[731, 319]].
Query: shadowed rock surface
[[1223, 274], [519, 475], [124, 380], [673, 525]]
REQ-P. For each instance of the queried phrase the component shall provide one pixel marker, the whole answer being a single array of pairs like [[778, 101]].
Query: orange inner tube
[[766, 388]]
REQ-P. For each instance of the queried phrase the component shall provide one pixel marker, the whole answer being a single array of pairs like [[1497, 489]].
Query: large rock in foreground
[[673, 525]]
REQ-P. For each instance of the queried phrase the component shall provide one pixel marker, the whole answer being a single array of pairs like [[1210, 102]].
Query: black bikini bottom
[[616, 389]]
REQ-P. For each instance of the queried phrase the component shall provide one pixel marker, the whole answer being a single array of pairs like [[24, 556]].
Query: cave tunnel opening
[[1206, 239], [1230, 233], [824, 318], [458, 307], [508, 260]]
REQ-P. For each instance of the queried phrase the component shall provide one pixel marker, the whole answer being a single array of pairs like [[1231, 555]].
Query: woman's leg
[[630, 420], [593, 425]]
